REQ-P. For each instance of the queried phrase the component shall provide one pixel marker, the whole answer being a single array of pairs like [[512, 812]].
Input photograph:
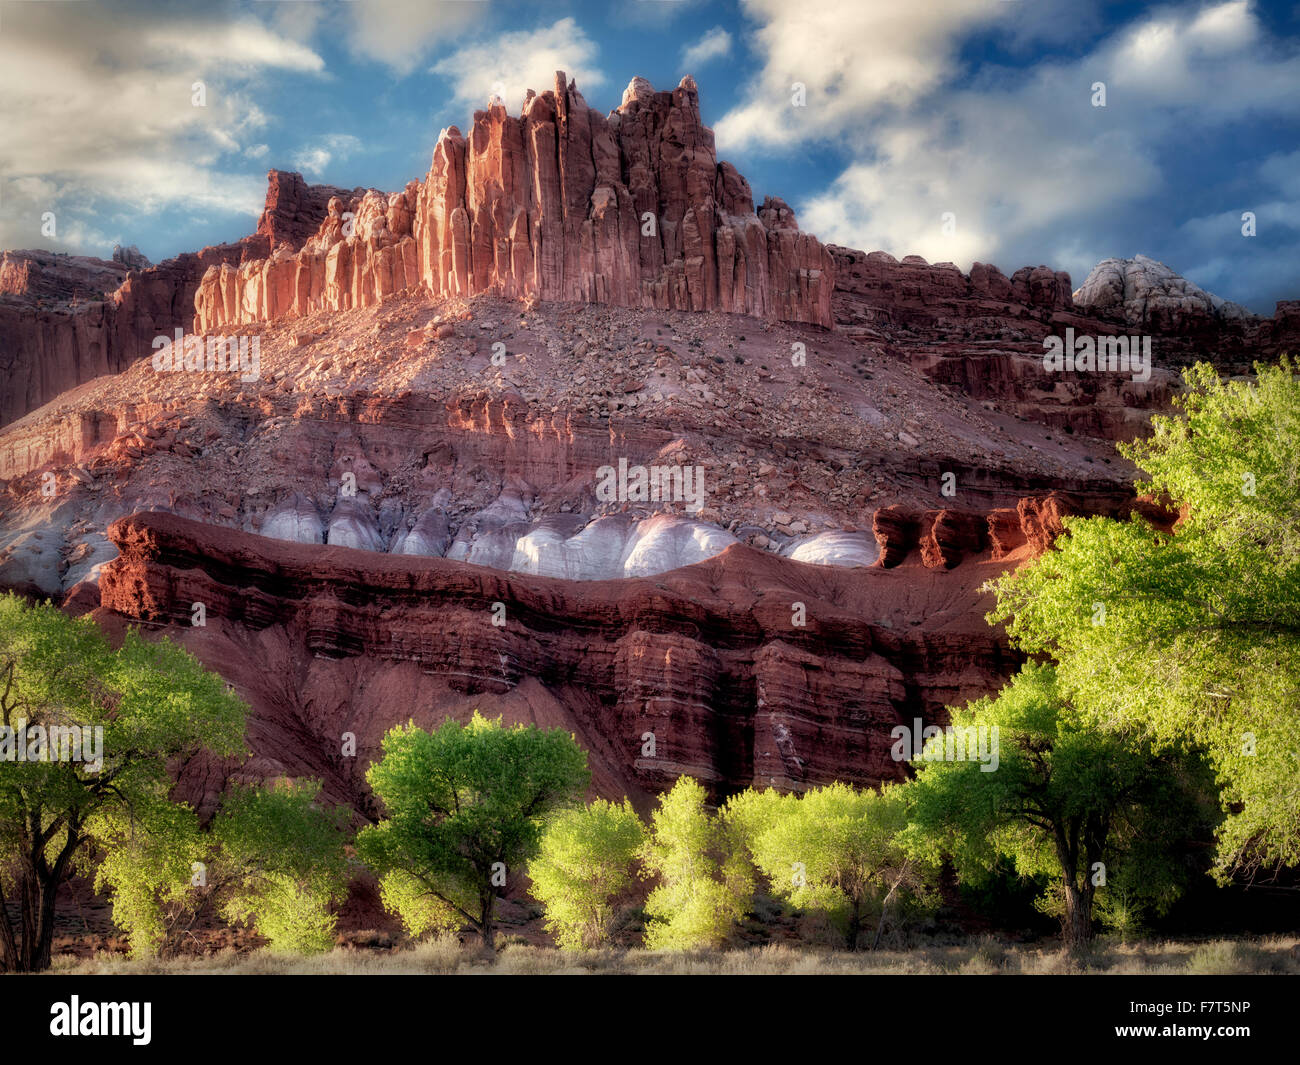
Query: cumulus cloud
[[509, 64], [315, 157], [1017, 160], [400, 33], [852, 59], [100, 109], [713, 45]]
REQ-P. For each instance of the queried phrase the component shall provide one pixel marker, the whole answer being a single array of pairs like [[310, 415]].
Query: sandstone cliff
[[558, 203]]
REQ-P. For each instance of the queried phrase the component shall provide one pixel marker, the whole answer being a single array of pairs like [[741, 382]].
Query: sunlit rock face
[[614, 547], [569, 546], [663, 543], [1145, 292], [564, 548], [547, 204], [835, 549], [295, 519]]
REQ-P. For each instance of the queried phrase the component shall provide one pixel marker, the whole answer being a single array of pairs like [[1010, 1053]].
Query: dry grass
[[985, 955]]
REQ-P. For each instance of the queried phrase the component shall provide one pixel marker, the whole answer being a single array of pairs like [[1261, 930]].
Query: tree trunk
[[486, 925], [884, 905], [1076, 926], [855, 922], [8, 945], [32, 953], [45, 924]]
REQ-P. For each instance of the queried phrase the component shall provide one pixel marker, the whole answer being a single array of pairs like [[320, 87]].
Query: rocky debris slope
[[746, 669], [557, 203], [396, 429]]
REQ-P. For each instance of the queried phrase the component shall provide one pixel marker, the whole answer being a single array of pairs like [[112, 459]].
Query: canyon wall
[[708, 659]]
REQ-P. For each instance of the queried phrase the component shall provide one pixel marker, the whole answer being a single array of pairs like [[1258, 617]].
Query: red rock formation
[[67, 319], [53, 276], [294, 209], [951, 535], [946, 537], [326, 640], [983, 334], [896, 532], [558, 203]]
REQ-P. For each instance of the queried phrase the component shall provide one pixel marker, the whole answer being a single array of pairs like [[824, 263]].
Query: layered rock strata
[[710, 670]]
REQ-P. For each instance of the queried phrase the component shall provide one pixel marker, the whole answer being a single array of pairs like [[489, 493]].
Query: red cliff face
[[558, 203], [704, 670]]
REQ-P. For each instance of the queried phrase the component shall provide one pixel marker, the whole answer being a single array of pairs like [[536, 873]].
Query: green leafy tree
[[838, 850], [1194, 635], [1067, 801], [586, 862], [153, 702], [465, 807], [705, 881], [149, 864], [272, 858], [420, 912], [753, 811], [280, 864]]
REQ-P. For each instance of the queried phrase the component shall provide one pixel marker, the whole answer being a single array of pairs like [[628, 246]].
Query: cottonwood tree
[[465, 807], [272, 858], [1068, 801], [1198, 638], [838, 850], [585, 863], [705, 884], [279, 863], [154, 703]]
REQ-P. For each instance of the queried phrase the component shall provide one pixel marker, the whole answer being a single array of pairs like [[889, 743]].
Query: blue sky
[[982, 109]]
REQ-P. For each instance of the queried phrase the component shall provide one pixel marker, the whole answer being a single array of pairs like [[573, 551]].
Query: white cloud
[[313, 158], [245, 44], [853, 58], [1032, 172], [400, 33], [511, 63], [98, 109], [713, 45]]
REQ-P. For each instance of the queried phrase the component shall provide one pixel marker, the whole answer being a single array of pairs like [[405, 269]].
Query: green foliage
[[420, 912], [752, 812], [154, 703], [834, 849], [1200, 637], [280, 864], [705, 882], [584, 865], [1067, 801], [147, 867], [465, 805]]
